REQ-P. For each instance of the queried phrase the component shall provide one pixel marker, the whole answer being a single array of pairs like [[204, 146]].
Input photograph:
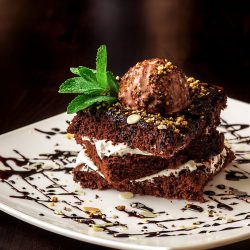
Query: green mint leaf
[[83, 101], [75, 71], [113, 85], [93, 85], [101, 67], [83, 71], [81, 85]]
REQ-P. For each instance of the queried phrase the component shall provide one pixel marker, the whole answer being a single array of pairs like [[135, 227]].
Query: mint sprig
[[83, 101], [101, 66], [94, 86]]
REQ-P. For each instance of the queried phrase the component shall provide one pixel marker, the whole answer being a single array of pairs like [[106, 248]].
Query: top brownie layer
[[153, 133]]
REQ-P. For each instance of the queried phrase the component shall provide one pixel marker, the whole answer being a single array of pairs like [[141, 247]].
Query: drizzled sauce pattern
[[221, 198], [51, 132]]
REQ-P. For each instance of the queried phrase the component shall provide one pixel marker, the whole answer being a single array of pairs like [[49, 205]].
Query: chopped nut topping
[[162, 126], [120, 207], [92, 210], [58, 212], [126, 195], [148, 214], [177, 131], [69, 136], [97, 228], [54, 199], [164, 68], [134, 118], [190, 79]]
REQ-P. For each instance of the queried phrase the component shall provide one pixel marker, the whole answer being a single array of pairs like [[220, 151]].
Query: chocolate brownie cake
[[156, 137]]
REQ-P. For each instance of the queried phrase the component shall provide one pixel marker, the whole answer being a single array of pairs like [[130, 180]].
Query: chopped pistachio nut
[[58, 212], [97, 228], [54, 199], [190, 79], [164, 68], [92, 210], [135, 116], [120, 207], [69, 136], [180, 121]]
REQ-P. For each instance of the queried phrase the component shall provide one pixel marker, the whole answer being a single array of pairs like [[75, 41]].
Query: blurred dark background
[[40, 40]]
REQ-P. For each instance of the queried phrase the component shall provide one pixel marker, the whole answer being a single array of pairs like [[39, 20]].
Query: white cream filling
[[211, 166], [107, 148], [83, 158]]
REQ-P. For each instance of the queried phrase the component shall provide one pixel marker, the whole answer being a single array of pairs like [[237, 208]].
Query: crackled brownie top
[[154, 133]]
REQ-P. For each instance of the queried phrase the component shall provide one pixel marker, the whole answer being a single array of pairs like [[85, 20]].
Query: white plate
[[212, 227]]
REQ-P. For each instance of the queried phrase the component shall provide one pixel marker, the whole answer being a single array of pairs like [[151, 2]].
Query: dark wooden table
[[40, 40]]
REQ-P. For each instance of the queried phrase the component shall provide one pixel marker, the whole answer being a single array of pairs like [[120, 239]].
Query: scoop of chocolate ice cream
[[156, 86]]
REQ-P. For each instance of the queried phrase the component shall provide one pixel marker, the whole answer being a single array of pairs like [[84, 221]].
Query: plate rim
[[109, 242]]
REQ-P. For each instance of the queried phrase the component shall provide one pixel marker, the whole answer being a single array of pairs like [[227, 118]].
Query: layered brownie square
[[159, 138]]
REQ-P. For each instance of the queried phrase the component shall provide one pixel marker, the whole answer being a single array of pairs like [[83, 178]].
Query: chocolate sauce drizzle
[[28, 170], [52, 132]]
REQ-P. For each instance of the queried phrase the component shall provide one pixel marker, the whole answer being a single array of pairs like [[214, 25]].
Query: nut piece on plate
[[155, 85]]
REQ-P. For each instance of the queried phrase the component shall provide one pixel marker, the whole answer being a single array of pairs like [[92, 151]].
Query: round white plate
[[46, 195]]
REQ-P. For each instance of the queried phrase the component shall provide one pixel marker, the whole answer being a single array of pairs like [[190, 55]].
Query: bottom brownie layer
[[185, 183]]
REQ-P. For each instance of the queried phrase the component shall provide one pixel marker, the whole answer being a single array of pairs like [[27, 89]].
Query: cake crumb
[[67, 209]]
